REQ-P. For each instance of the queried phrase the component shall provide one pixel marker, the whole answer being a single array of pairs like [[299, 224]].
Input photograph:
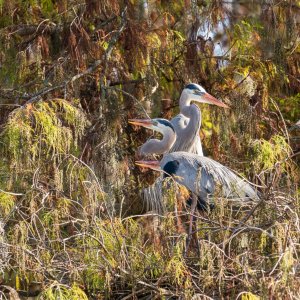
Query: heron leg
[[193, 207], [179, 215]]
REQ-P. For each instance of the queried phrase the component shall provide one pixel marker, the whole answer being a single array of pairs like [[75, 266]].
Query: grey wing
[[204, 175], [232, 185]]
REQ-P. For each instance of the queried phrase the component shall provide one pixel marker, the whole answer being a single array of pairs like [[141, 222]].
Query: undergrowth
[[66, 239], [72, 222]]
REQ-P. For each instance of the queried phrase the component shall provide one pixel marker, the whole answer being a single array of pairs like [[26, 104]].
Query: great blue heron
[[187, 125], [202, 176]]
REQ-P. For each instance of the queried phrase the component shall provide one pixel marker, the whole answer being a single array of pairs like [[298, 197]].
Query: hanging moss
[[63, 292], [268, 153], [45, 128], [69, 187], [7, 202]]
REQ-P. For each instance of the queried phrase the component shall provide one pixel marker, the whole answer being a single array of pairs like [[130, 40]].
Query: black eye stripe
[[166, 123], [192, 86]]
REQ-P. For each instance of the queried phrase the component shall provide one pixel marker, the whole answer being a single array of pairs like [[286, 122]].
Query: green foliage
[[7, 202], [290, 107], [268, 153], [249, 296], [176, 267], [47, 129], [47, 7], [63, 292], [76, 241], [244, 35], [287, 264]]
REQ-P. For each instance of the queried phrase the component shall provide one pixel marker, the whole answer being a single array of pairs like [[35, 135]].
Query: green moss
[[249, 296], [63, 292], [43, 129], [7, 202], [268, 153]]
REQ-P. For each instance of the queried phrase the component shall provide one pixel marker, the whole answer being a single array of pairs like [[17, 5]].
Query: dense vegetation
[[72, 220]]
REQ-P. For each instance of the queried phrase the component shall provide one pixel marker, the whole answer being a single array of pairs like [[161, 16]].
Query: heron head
[[199, 94], [160, 125]]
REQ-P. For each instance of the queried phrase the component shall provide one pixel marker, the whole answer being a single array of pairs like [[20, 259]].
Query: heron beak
[[212, 100], [141, 122], [151, 164]]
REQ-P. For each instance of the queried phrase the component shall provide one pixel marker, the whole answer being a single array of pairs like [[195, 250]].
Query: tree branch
[[35, 97]]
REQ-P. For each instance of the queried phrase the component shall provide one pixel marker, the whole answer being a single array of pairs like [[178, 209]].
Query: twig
[[285, 127], [161, 291], [129, 95], [10, 193], [37, 96], [89, 70], [34, 256]]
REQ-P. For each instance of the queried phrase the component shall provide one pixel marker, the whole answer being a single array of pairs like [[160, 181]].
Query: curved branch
[[35, 97]]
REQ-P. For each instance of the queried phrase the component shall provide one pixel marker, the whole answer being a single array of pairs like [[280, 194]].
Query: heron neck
[[192, 112], [155, 146], [168, 140], [195, 118], [185, 104]]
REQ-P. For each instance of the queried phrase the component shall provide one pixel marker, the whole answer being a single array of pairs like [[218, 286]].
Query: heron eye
[[198, 92]]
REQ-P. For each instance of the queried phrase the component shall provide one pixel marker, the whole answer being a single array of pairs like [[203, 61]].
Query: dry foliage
[[72, 221]]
